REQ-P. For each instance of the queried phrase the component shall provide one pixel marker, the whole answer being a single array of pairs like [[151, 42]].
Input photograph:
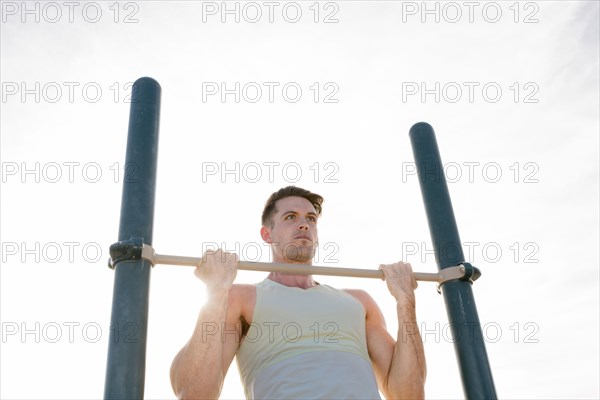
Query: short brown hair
[[289, 191]]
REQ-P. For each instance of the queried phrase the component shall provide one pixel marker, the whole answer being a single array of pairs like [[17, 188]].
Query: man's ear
[[265, 234]]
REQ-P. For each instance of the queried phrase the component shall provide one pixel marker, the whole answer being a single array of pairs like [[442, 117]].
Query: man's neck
[[299, 281], [291, 280]]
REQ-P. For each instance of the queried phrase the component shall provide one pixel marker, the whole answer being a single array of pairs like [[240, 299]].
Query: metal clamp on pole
[[467, 273], [132, 250], [471, 273], [125, 250]]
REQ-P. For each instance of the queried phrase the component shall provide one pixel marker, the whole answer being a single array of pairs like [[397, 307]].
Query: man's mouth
[[303, 237]]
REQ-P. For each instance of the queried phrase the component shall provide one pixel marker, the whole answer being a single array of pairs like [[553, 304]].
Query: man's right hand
[[218, 270]]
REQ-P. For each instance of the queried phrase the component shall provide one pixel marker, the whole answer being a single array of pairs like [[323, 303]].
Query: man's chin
[[300, 254], [300, 260]]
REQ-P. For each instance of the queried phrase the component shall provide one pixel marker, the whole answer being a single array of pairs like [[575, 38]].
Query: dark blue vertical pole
[[126, 367], [460, 304]]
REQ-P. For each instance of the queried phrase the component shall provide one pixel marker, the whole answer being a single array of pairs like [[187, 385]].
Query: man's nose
[[303, 224]]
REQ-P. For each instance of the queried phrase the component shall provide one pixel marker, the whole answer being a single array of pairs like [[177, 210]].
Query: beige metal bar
[[149, 254]]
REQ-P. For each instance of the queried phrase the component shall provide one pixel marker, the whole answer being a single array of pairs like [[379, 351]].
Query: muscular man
[[295, 338]]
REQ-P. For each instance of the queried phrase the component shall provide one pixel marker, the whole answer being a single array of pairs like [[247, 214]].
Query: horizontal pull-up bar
[[129, 250], [149, 254]]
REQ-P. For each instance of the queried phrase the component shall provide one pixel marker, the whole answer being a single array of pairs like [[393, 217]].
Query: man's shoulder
[[365, 299], [242, 298], [359, 293], [243, 289]]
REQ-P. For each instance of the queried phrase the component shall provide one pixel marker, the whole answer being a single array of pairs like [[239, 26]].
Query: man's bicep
[[231, 343], [240, 310], [380, 344], [231, 332]]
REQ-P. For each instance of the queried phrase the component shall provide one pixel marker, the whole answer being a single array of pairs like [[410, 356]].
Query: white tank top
[[306, 344]]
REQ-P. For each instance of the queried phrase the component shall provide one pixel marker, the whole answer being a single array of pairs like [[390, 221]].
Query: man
[[293, 337]]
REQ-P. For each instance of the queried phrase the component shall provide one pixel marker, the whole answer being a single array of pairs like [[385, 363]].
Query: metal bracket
[[125, 250], [471, 273], [468, 272]]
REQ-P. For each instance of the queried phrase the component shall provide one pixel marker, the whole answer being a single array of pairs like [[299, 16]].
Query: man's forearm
[[197, 370], [406, 379]]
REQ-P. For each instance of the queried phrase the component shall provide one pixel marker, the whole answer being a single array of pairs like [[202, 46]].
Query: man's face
[[293, 235]]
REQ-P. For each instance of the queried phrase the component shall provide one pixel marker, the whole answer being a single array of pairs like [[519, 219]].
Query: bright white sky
[[517, 122]]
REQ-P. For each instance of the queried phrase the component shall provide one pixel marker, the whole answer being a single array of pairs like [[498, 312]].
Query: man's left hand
[[400, 281]]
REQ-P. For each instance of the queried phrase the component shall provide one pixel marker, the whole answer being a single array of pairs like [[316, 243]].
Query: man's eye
[[291, 216], [313, 219]]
